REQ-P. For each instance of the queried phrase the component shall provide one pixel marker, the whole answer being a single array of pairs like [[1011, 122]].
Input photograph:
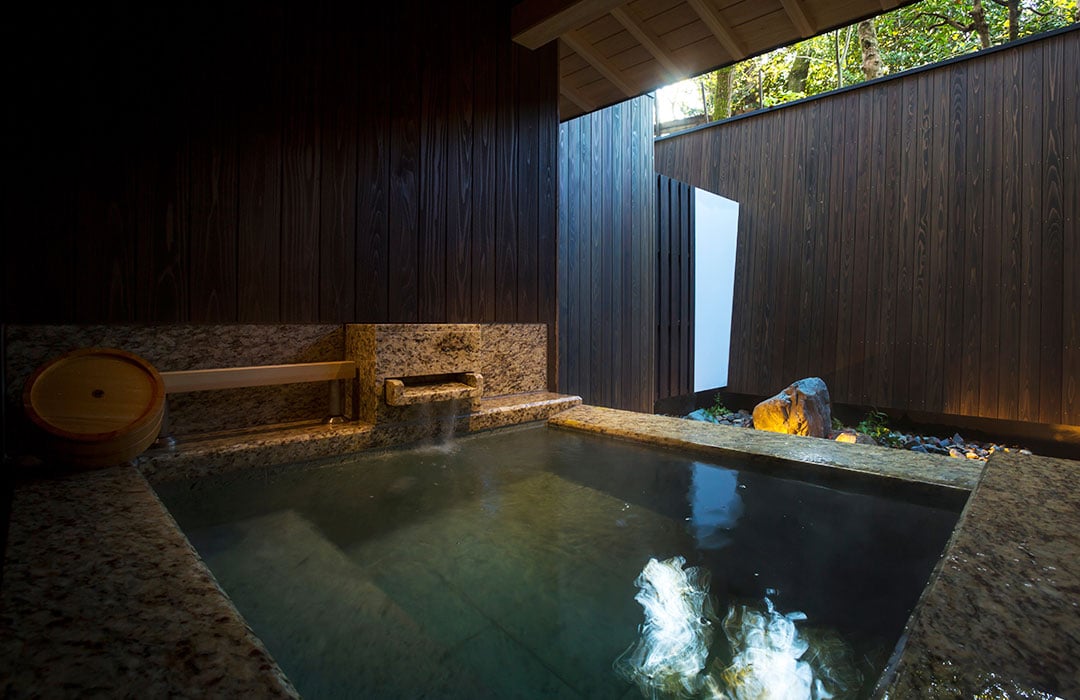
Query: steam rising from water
[[769, 658]]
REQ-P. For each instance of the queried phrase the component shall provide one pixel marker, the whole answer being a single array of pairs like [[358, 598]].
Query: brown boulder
[[801, 409]]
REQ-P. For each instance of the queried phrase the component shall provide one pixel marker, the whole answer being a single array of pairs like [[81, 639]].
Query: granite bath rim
[[299, 442]]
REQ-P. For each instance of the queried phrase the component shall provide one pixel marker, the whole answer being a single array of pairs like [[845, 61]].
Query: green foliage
[[718, 409], [911, 36], [837, 424], [930, 31], [876, 425]]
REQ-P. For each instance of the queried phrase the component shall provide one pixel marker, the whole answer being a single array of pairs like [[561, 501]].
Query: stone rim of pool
[[790, 471], [1019, 501]]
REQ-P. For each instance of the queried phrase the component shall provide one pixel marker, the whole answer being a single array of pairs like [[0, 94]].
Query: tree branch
[[948, 21]]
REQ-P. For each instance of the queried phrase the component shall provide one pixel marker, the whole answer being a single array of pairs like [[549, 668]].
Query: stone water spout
[[405, 369], [433, 388]]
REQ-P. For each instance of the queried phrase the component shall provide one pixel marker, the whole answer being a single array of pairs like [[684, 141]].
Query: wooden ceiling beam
[[534, 23], [889, 4], [575, 97], [650, 40], [798, 17], [716, 24], [604, 67]]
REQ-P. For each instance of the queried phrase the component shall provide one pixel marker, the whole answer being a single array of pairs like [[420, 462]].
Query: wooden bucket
[[98, 406]]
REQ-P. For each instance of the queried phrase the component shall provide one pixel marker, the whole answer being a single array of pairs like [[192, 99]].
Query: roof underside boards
[[611, 50]]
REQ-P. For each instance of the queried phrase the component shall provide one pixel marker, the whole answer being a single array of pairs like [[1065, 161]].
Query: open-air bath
[[506, 566]]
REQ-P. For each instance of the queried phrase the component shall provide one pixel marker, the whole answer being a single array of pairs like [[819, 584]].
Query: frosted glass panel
[[715, 235]]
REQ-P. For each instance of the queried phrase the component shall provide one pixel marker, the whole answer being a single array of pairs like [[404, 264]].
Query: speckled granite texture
[[360, 348], [865, 460], [1001, 616], [1003, 608], [104, 597], [233, 450], [181, 347], [513, 357], [403, 350], [394, 350]]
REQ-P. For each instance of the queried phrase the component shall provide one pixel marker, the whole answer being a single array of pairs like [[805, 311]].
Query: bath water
[[504, 564]]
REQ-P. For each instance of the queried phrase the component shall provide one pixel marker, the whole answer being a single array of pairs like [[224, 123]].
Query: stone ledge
[[103, 595], [999, 614], [761, 447], [301, 442]]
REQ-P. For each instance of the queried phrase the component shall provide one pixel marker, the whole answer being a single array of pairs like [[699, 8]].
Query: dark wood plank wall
[[607, 252], [674, 288], [279, 161], [913, 242]]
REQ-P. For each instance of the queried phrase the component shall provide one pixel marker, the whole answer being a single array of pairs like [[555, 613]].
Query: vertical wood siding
[[674, 288], [607, 257], [278, 162], [916, 242]]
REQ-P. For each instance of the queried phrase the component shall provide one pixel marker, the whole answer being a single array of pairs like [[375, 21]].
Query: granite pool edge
[[59, 509], [1000, 616], [985, 621], [216, 454], [104, 594], [933, 471]]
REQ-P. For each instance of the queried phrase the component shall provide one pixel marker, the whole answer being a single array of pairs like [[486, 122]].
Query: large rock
[[801, 409]]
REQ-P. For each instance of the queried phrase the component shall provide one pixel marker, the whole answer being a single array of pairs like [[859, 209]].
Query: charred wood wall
[[608, 257], [675, 288], [277, 162], [914, 242]]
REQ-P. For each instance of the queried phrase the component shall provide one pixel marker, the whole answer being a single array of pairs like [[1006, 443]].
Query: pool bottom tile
[[508, 668], [333, 630]]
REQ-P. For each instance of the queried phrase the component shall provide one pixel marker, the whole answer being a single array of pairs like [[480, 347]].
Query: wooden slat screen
[[278, 161], [607, 257], [916, 241], [674, 288]]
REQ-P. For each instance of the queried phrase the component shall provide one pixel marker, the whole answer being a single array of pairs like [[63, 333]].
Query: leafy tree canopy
[[915, 35]]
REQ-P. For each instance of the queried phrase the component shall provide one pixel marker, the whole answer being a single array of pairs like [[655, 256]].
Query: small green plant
[[876, 425], [718, 409], [837, 424]]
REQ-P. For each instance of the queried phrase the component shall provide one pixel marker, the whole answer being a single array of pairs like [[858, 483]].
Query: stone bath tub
[[102, 593]]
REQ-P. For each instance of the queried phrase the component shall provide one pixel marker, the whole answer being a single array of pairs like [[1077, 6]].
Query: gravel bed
[[954, 446]]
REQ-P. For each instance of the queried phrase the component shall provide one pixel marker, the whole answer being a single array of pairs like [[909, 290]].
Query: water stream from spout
[[439, 418]]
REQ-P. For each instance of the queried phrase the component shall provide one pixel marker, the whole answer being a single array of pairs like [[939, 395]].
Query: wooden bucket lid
[[96, 395]]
